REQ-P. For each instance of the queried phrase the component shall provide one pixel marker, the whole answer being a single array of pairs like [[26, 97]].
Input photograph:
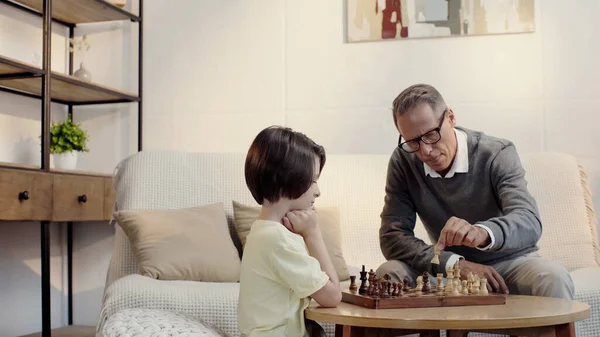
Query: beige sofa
[[355, 184]]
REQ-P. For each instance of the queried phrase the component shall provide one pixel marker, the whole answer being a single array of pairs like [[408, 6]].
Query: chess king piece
[[353, 286], [363, 281]]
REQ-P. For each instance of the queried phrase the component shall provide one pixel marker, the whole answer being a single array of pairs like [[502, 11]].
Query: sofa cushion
[[559, 185], [182, 244], [329, 220]]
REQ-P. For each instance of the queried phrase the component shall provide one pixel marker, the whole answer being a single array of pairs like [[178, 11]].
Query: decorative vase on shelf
[[66, 160], [83, 74]]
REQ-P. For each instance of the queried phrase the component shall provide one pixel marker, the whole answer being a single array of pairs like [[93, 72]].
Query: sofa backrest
[[354, 183]]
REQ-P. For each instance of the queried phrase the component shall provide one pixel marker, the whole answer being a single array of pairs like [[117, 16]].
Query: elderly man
[[469, 190]]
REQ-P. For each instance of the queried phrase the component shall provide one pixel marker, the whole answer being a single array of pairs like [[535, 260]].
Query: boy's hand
[[302, 222]]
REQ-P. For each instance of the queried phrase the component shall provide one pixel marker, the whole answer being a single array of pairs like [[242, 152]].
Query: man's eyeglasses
[[430, 137]]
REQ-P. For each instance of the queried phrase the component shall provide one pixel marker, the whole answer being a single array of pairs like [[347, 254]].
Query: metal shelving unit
[[42, 83]]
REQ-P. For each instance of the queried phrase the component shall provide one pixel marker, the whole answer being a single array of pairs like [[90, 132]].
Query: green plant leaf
[[66, 137]]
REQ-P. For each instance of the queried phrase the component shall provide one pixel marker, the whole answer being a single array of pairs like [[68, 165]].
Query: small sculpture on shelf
[[83, 46]]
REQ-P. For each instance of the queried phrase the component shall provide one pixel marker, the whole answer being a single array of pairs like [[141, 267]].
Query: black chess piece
[[405, 287], [377, 288], [393, 287], [371, 286], [353, 286], [363, 281], [397, 289], [426, 284], [385, 288]]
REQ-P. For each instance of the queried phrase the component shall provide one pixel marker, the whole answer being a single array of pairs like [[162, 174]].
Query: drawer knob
[[82, 198], [23, 195]]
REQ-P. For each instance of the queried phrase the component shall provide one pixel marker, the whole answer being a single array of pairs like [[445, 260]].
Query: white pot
[[66, 161]]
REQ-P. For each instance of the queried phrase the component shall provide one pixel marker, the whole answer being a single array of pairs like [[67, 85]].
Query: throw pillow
[[192, 244], [329, 220]]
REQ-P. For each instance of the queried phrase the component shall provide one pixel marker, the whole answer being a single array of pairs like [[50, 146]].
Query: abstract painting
[[375, 20]]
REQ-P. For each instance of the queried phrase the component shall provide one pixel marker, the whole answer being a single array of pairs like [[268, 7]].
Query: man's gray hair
[[414, 96]]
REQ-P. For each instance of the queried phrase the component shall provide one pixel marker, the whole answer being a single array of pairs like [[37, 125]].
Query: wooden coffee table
[[521, 315]]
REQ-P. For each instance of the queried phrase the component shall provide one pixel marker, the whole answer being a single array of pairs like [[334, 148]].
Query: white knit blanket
[[156, 323]]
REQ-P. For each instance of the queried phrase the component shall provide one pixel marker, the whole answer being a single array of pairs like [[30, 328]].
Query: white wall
[[217, 72], [112, 60], [224, 70]]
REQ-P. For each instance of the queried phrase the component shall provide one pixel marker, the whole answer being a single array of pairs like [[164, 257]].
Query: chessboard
[[380, 293]]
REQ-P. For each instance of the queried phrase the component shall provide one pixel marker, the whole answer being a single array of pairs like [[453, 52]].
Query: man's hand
[[458, 232], [495, 281], [303, 222]]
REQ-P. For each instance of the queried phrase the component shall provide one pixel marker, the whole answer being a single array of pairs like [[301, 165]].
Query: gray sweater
[[493, 193]]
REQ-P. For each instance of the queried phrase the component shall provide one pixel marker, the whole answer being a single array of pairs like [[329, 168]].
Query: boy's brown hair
[[280, 163]]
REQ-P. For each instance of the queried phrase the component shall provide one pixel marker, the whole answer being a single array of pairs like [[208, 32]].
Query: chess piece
[[397, 289], [377, 286], [372, 281], [483, 286], [385, 288], [363, 281], [465, 289], [440, 282], [419, 287], [436, 255], [450, 282], [449, 286], [457, 270], [476, 285], [405, 287], [426, 282], [353, 286], [450, 274], [455, 289]]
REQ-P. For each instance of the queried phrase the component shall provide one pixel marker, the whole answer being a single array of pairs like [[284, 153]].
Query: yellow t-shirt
[[277, 277]]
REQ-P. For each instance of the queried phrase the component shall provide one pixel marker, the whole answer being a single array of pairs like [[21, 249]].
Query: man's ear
[[451, 117]]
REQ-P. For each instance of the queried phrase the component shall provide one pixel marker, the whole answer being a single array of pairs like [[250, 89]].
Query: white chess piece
[[484, 290], [419, 283]]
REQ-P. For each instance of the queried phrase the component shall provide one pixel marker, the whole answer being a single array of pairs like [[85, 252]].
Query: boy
[[285, 260]]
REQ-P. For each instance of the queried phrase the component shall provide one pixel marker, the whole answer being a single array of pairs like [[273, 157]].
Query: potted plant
[[67, 140]]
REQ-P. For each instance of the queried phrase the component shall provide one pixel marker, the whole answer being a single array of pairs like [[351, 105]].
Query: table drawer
[[78, 198], [25, 195], [109, 198]]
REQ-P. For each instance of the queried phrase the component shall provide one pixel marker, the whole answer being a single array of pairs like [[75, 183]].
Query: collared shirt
[[461, 160], [459, 165]]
